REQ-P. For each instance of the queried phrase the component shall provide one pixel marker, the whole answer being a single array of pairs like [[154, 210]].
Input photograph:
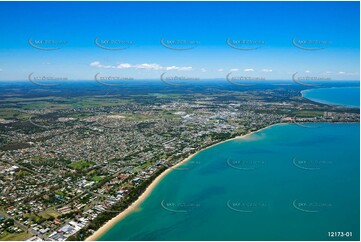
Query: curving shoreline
[[327, 101], [108, 225]]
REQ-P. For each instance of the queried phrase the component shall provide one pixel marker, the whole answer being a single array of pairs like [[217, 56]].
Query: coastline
[[108, 225], [326, 102]]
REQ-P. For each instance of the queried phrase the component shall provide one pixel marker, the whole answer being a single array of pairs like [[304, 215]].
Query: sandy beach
[[150, 188]]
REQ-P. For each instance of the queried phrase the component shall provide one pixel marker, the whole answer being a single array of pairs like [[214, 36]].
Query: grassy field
[[14, 236], [49, 212], [97, 178]]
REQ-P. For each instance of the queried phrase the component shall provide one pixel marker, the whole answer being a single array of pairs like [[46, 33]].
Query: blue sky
[[270, 27]]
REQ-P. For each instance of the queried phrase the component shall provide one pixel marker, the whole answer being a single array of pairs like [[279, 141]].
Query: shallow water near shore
[[285, 182]]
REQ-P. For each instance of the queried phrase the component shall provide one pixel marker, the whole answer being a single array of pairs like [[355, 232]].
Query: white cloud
[[46, 63], [220, 70], [266, 70], [341, 72], [249, 69], [234, 70], [144, 66], [203, 70], [124, 66], [95, 63], [1, 69], [307, 71]]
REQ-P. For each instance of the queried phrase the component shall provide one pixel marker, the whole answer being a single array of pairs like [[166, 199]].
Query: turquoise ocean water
[[286, 182], [344, 96]]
